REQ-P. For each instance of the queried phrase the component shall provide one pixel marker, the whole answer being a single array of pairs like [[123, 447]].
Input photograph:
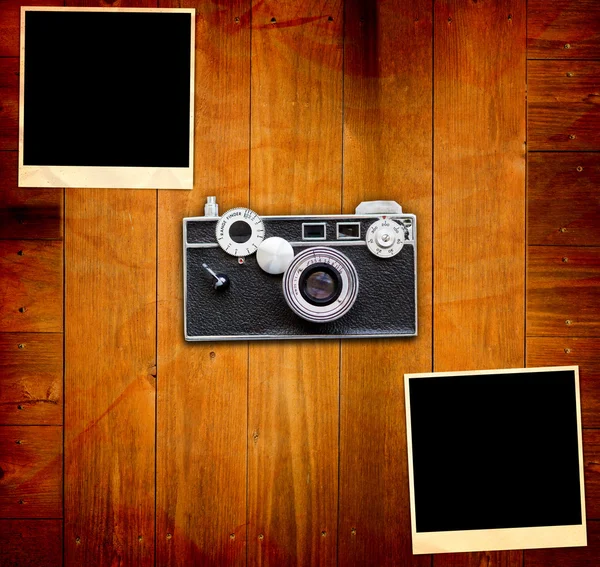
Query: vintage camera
[[300, 277]]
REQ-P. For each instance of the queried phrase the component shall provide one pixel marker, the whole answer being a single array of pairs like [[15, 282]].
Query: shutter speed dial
[[385, 238], [240, 231]]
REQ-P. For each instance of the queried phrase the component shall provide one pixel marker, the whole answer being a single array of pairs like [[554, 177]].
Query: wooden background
[[120, 444]]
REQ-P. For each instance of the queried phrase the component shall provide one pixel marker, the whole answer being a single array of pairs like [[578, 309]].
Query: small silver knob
[[211, 209]]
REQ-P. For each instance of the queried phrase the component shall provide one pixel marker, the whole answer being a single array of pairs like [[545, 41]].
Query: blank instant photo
[[495, 460], [106, 97]]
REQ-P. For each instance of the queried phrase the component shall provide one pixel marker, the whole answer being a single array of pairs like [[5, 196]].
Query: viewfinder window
[[348, 230], [313, 231]]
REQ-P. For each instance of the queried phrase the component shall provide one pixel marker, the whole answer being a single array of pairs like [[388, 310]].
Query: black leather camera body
[[248, 277]]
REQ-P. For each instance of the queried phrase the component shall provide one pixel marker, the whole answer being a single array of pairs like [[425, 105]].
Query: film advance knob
[[274, 255]]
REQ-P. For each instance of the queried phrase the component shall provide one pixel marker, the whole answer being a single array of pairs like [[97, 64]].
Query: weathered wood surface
[[202, 388], [293, 392], [568, 556], [480, 559], [563, 291], [31, 472], [479, 191], [9, 103], [387, 155], [31, 543], [563, 29], [110, 353], [569, 351], [591, 459], [27, 213], [31, 286], [563, 111], [563, 201], [31, 378]]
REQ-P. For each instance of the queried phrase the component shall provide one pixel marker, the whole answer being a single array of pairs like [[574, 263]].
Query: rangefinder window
[[313, 231], [348, 230]]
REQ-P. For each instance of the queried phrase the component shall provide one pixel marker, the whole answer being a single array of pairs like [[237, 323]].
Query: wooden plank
[[480, 559], [479, 185], [9, 72], [31, 378], [9, 117], [563, 202], [31, 273], [27, 213], [31, 471], [10, 14], [563, 29], [110, 341], [295, 168], [479, 195], [563, 297], [31, 543], [293, 440], [568, 556], [202, 388], [591, 458], [567, 351], [387, 155]]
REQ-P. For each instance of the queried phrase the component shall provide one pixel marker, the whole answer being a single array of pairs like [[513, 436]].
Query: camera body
[[248, 277]]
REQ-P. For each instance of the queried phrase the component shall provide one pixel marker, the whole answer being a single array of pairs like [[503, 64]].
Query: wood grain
[[480, 559], [31, 280], [110, 353], [202, 388], [31, 543], [9, 117], [567, 351], [563, 297], [24, 212], [591, 459], [552, 26], [31, 472], [563, 202], [479, 185], [9, 72], [293, 439], [387, 155], [10, 16], [293, 393], [568, 556], [479, 196], [31, 378]]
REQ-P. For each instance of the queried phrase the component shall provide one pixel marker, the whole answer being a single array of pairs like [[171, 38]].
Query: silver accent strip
[[294, 337], [317, 217], [201, 245]]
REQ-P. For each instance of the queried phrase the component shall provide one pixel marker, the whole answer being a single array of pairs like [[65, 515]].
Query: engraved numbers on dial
[[240, 231], [385, 238]]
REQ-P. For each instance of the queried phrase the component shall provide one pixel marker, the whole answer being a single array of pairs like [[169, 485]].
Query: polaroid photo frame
[[106, 97], [495, 460]]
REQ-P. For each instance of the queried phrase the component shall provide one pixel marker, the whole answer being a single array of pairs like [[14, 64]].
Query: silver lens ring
[[333, 261]]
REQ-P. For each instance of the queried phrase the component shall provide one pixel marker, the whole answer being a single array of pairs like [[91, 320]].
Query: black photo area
[[495, 451], [107, 89]]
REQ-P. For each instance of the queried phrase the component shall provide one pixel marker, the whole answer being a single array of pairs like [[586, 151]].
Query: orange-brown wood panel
[[293, 393], [31, 471], [202, 387], [9, 103], [110, 353], [479, 195], [31, 378], [563, 291], [563, 201], [563, 29], [568, 556], [479, 185], [591, 459], [10, 16], [31, 280], [568, 351], [31, 543], [562, 105], [27, 213], [387, 155], [481, 559]]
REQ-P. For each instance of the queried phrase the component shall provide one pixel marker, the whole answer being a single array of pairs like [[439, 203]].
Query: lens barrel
[[320, 285]]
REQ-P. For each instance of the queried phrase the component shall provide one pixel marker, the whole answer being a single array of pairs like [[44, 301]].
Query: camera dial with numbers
[[310, 276]]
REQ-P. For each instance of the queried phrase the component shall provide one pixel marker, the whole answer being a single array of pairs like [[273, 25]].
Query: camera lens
[[240, 231], [320, 285]]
